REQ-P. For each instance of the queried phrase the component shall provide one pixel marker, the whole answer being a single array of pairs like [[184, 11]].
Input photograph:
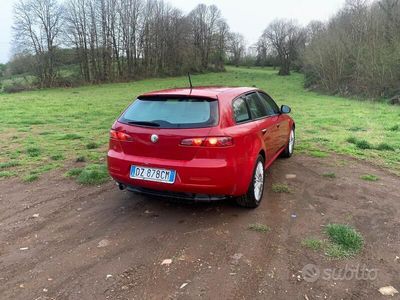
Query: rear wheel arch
[[257, 151], [262, 153], [251, 148], [251, 198]]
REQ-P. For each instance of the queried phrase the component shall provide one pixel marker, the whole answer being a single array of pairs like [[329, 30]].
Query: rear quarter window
[[240, 110]]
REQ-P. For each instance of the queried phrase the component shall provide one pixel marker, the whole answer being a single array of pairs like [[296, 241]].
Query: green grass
[[33, 151], [280, 188], [65, 120], [363, 144], [6, 174], [57, 156], [342, 241], [318, 153], [74, 172], [313, 243], [384, 147], [92, 145], [329, 175], [70, 136], [91, 174], [336, 251], [346, 241], [357, 128], [80, 159], [9, 164], [30, 177], [259, 227], [369, 177]]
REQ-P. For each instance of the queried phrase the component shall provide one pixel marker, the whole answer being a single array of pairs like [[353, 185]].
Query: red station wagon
[[204, 143]]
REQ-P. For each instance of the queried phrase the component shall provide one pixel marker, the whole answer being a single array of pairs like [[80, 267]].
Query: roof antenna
[[190, 82]]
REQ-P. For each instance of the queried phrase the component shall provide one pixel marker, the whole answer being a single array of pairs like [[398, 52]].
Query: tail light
[[218, 141], [120, 136]]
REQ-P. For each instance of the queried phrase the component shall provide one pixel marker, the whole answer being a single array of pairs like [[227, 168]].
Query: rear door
[[267, 125], [282, 123]]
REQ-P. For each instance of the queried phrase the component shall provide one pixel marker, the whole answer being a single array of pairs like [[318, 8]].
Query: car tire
[[290, 145], [253, 197]]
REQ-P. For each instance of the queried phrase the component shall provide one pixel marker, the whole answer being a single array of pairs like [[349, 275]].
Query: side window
[[270, 105], [257, 109], [240, 110]]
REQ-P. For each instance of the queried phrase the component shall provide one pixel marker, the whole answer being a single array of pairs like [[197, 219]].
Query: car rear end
[[173, 146]]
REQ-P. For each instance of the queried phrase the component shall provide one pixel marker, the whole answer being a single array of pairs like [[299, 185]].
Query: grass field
[[48, 129]]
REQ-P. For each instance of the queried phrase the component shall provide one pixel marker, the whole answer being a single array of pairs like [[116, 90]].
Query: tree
[[205, 20], [120, 39], [237, 47], [357, 50], [222, 40], [37, 27], [2, 69], [287, 39], [390, 8], [129, 12]]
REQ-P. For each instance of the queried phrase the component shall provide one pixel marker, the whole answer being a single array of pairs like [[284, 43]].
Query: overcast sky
[[249, 17]]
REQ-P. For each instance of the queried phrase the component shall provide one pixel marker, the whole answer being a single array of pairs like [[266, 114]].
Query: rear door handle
[[264, 131]]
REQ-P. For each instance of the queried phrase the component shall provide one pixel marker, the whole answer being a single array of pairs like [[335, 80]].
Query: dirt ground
[[60, 240]]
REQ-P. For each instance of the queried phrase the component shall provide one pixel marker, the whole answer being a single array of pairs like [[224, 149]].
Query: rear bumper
[[176, 195], [195, 178]]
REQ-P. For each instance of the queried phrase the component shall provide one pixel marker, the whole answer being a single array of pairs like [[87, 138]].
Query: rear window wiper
[[144, 123]]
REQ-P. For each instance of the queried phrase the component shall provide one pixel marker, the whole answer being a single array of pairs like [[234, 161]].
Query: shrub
[[18, 84]]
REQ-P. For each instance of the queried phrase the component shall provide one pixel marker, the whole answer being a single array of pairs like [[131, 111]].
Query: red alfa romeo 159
[[205, 143]]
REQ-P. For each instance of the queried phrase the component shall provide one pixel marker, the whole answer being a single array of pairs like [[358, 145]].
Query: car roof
[[213, 92]]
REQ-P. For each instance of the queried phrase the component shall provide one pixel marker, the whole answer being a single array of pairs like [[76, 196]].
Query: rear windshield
[[172, 113]]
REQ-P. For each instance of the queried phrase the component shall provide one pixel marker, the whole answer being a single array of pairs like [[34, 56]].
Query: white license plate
[[153, 174]]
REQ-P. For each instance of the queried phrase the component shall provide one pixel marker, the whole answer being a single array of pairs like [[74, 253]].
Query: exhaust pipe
[[121, 186]]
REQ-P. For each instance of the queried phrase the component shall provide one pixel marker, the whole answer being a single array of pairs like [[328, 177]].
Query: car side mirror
[[285, 109]]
